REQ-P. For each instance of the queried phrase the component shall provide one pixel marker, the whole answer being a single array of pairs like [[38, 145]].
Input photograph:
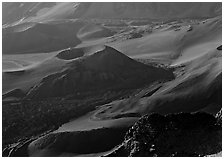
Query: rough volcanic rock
[[219, 117], [184, 134], [219, 48]]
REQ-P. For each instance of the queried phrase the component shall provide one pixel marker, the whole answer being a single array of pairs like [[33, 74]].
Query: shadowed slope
[[106, 69], [41, 37]]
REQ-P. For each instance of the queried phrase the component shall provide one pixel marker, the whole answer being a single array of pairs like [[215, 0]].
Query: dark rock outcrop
[[184, 134], [219, 48], [219, 118]]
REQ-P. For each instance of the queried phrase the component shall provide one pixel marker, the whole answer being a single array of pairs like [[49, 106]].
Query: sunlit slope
[[200, 40], [24, 78], [175, 46], [91, 32]]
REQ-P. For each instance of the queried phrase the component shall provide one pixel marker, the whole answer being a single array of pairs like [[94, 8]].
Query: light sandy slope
[[200, 40], [92, 32], [168, 44], [175, 46], [24, 78], [22, 60], [156, 44]]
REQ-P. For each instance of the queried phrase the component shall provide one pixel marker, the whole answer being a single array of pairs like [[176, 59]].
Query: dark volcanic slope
[[103, 70], [183, 134]]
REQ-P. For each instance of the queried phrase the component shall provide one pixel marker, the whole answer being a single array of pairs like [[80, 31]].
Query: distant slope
[[46, 27], [49, 36], [174, 47], [200, 40], [152, 10], [40, 37], [37, 12], [91, 31]]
